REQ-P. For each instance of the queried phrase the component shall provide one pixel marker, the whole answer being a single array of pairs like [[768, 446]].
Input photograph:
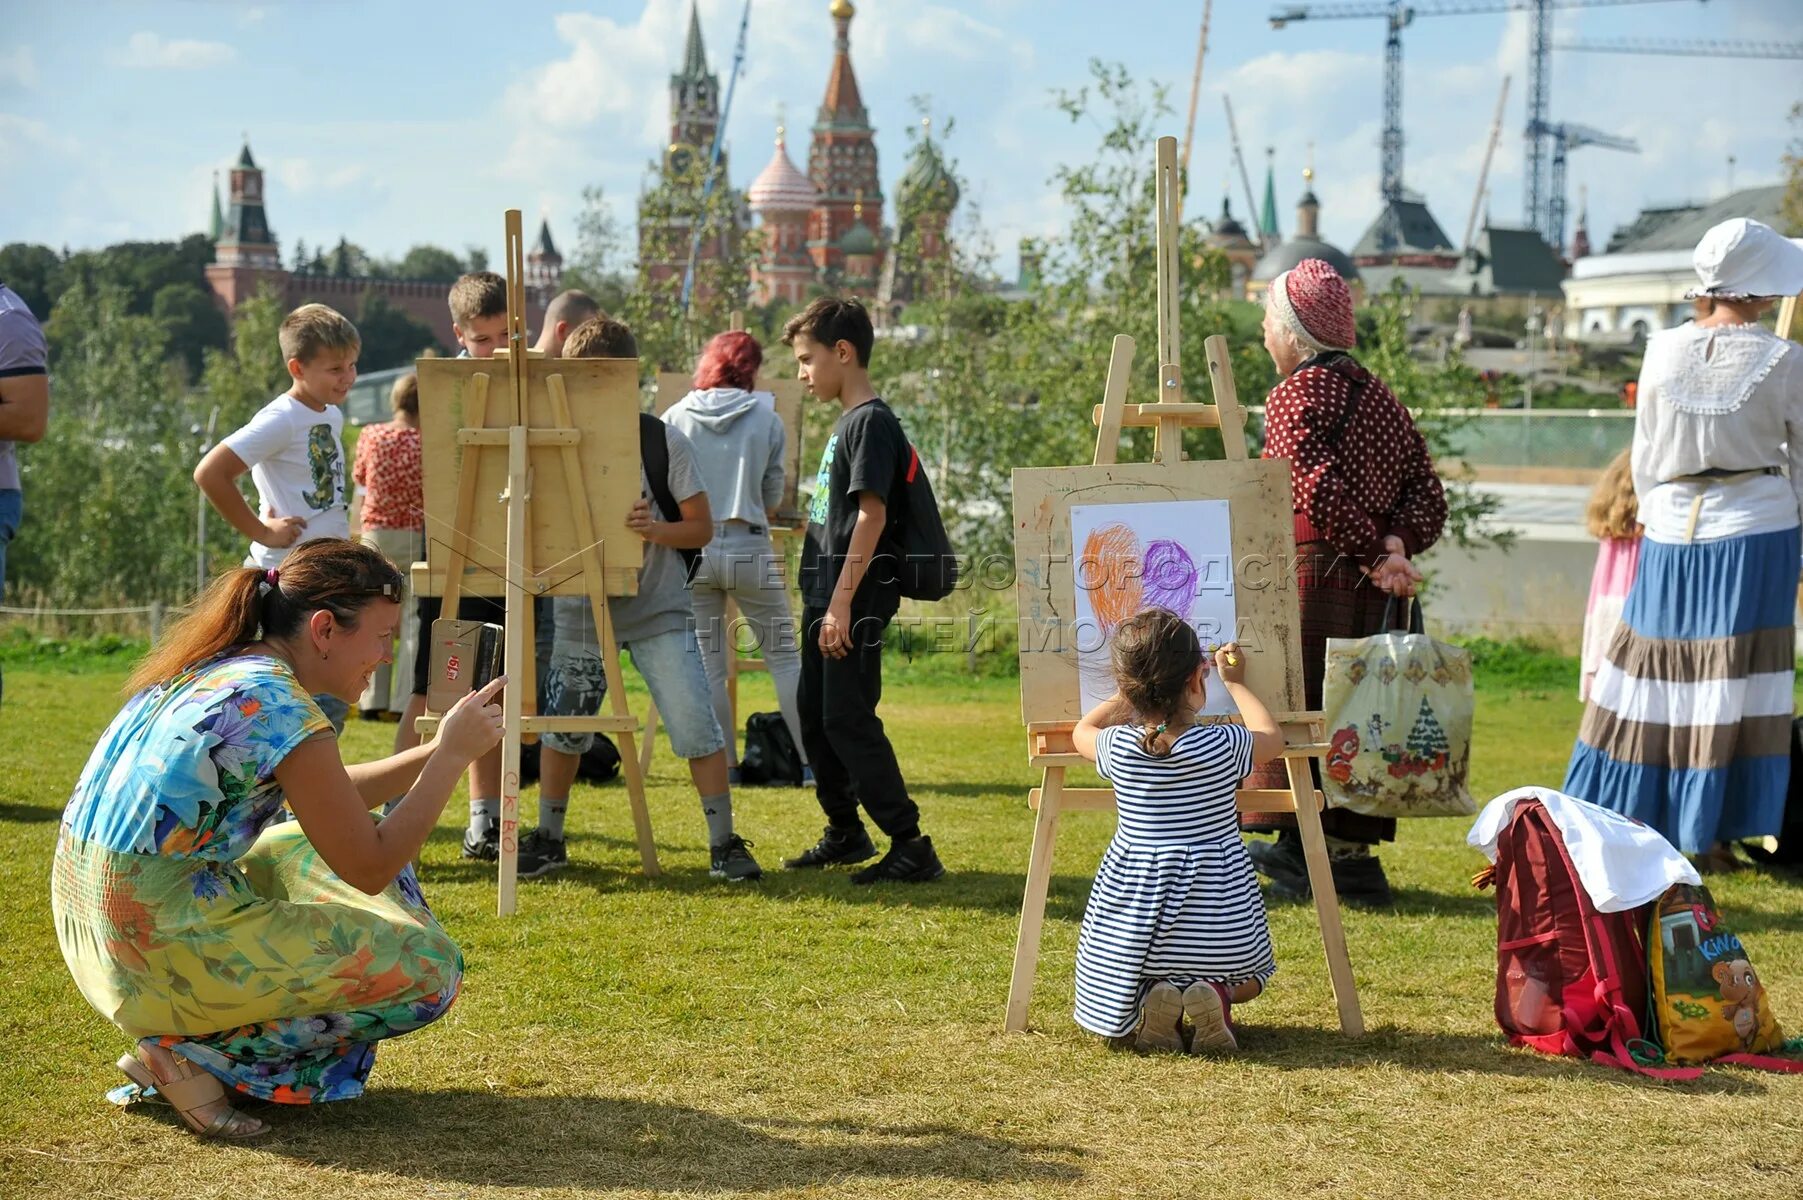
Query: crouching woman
[[237, 950]]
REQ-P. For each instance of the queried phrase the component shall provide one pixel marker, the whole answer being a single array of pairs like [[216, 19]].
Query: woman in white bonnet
[[1688, 726]]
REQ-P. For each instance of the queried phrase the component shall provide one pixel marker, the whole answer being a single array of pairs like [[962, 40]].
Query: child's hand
[[1230, 662], [639, 519], [282, 531]]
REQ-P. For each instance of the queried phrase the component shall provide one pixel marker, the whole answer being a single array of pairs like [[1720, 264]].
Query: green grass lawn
[[679, 1036]]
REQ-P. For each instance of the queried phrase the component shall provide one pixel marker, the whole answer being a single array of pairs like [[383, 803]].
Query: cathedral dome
[[780, 187], [858, 239], [926, 182]]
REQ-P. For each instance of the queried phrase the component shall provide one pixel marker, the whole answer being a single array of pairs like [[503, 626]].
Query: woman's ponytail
[[228, 613], [249, 603]]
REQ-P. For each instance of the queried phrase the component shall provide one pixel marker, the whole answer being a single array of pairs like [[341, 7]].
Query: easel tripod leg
[[1032, 906], [1327, 901]]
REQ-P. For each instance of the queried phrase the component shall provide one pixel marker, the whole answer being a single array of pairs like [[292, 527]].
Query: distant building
[[782, 198], [670, 204], [1306, 244], [246, 258], [1636, 286], [1405, 234], [842, 163], [1228, 236]]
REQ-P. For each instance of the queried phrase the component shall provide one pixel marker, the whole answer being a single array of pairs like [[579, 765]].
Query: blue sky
[[396, 122]]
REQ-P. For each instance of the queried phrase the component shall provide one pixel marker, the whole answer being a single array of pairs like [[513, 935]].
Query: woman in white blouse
[[1688, 726]]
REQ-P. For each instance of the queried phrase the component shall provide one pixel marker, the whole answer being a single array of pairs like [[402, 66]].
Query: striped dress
[[1688, 723], [1175, 897]]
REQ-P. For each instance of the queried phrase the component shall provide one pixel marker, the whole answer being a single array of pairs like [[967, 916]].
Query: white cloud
[[152, 52], [19, 69], [305, 175]]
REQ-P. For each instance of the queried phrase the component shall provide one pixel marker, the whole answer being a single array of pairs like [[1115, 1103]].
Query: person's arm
[[217, 477], [1110, 712], [835, 627], [1419, 516], [381, 781], [1300, 431], [24, 383], [773, 468], [24, 407], [1267, 738], [369, 855], [695, 530]]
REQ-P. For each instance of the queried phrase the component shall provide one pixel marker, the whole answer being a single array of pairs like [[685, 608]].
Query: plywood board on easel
[[1048, 569], [604, 399], [790, 394]]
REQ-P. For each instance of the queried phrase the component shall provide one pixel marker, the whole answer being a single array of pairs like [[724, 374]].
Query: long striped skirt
[[1688, 724]]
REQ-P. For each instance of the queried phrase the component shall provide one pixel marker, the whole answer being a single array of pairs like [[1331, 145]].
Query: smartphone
[[466, 655]]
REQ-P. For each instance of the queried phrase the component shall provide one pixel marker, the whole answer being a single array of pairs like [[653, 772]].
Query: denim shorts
[[669, 662], [12, 511]]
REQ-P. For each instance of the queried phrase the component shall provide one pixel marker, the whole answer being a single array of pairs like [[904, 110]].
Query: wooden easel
[[1261, 489], [587, 460], [672, 386]]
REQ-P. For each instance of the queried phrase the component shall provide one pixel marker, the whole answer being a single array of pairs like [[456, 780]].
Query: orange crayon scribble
[[1110, 572]]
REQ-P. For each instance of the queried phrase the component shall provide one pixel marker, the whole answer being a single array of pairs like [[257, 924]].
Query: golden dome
[[843, 9]]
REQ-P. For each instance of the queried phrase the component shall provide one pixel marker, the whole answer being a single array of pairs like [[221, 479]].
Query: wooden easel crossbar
[[1261, 489]]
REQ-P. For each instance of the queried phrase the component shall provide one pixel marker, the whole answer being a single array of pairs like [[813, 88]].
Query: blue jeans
[[669, 662], [12, 510]]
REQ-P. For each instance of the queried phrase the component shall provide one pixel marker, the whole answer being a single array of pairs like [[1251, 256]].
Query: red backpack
[[1569, 979]]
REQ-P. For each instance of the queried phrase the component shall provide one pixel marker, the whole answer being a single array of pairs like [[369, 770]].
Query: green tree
[[671, 212], [391, 338], [1793, 175], [112, 507], [35, 273], [192, 322], [594, 264], [427, 262]]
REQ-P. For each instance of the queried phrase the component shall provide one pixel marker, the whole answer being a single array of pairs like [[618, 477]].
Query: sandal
[[192, 1089], [1719, 860]]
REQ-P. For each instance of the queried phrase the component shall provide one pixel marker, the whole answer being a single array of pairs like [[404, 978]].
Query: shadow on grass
[[1311, 1047], [601, 1144], [29, 814]]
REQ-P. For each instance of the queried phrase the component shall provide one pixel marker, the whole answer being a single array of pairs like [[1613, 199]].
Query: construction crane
[[713, 160], [1233, 133], [1704, 49], [1398, 16], [1483, 175], [1566, 137], [1195, 93]]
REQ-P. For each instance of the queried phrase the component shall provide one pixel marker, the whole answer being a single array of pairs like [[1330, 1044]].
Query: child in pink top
[[1613, 519]]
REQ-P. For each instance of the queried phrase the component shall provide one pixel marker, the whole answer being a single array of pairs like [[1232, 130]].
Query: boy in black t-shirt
[[846, 605]]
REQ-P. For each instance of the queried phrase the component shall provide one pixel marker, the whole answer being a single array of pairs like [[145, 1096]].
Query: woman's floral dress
[[186, 916]]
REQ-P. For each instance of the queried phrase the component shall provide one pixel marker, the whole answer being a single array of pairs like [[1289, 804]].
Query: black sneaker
[[906, 862], [540, 854], [487, 847], [836, 846], [1281, 859], [1359, 882], [732, 860]]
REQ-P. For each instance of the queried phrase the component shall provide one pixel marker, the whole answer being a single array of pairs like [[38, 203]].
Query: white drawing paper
[[1175, 554]]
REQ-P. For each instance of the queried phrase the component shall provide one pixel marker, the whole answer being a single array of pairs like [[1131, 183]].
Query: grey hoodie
[[738, 441]]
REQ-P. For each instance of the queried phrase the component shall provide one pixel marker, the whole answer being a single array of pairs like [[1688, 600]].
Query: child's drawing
[[1175, 554]]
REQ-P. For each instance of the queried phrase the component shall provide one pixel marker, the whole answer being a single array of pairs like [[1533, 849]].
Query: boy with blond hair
[[294, 450]]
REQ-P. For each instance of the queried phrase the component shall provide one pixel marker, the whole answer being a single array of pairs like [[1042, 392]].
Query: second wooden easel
[[584, 461], [1045, 563]]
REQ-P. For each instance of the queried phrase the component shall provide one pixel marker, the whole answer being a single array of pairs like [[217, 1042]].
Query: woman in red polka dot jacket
[[1366, 501]]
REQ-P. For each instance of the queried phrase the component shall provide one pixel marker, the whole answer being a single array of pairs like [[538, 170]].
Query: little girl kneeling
[[1175, 931]]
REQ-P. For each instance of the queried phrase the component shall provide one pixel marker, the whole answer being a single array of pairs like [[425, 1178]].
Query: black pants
[[852, 759]]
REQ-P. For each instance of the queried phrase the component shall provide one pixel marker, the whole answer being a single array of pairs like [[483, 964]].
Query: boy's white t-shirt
[[296, 459]]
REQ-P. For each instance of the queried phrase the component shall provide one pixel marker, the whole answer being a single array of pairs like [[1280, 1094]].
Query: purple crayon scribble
[[1169, 580]]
